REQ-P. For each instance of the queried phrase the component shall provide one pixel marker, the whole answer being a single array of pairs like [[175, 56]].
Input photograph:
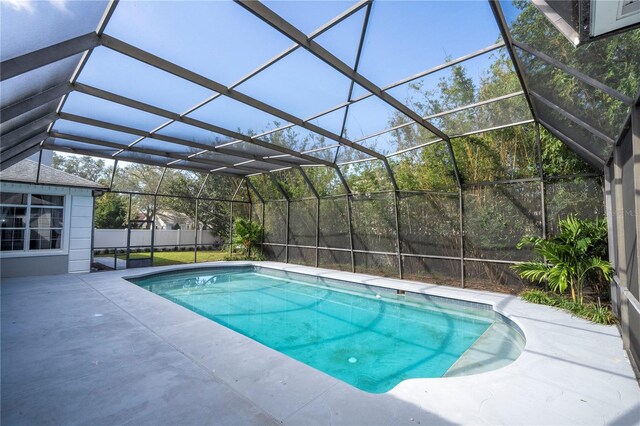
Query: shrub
[[246, 234], [571, 257], [594, 312]]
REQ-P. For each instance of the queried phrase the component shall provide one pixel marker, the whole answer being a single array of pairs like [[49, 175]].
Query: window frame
[[66, 225]]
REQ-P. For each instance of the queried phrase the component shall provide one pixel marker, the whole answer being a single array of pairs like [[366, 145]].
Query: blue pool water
[[367, 336]]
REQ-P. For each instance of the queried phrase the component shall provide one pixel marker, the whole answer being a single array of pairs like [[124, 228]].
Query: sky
[[222, 41]]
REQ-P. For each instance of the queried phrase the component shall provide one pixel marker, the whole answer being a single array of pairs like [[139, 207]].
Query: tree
[[84, 167], [613, 61], [143, 179], [212, 215], [110, 211]]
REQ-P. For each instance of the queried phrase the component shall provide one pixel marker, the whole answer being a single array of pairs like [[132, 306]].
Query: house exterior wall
[[34, 265], [74, 256], [80, 236]]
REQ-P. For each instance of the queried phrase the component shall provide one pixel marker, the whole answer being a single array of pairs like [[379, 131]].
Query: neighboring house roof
[[166, 218], [26, 171]]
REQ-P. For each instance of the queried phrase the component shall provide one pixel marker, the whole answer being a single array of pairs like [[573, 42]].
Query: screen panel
[[302, 222], [374, 223], [334, 259], [497, 216], [334, 223], [429, 224], [430, 270]]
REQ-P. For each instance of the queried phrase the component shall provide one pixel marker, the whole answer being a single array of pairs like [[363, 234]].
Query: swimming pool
[[370, 337]]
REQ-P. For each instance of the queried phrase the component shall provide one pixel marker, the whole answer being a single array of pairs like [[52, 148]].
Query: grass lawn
[[163, 258]]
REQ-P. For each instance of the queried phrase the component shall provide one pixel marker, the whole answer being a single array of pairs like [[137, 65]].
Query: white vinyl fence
[[109, 238]]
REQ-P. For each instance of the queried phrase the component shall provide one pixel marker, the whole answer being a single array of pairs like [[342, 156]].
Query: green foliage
[[83, 166], [175, 257], [537, 296], [558, 159], [613, 61], [254, 256], [212, 215], [246, 234], [577, 251], [594, 312], [110, 211]]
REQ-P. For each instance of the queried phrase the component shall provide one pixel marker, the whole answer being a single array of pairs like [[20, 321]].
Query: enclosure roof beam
[[111, 7], [14, 154], [157, 62], [82, 88], [106, 17], [391, 86], [446, 65], [280, 24], [204, 182], [572, 118], [283, 26], [28, 104], [80, 151], [19, 156], [575, 73], [39, 58], [440, 114], [363, 32], [168, 155], [344, 15], [590, 157], [344, 182], [279, 186], [308, 182], [160, 181], [236, 191], [452, 136], [254, 189], [515, 60], [171, 139], [21, 133]]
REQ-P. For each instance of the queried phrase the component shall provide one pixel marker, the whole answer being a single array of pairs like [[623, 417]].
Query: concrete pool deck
[[97, 349]]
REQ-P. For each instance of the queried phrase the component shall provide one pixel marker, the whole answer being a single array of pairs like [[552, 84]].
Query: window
[[31, 221]]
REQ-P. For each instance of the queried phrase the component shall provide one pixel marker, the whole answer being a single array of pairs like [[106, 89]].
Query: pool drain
[[353, 360]]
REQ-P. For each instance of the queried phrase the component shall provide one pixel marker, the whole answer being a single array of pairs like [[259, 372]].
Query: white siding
[[76, 244], [80, 235]]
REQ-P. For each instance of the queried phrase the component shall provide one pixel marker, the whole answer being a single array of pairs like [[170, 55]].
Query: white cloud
[[29, 6], [18, 5], [61, 5]]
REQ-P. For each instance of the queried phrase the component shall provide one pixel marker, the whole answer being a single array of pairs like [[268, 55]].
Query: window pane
[[13, 217], [47, 200], [13, 198], [11, 239], [45, 239], [46, 218], [40, 239]]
